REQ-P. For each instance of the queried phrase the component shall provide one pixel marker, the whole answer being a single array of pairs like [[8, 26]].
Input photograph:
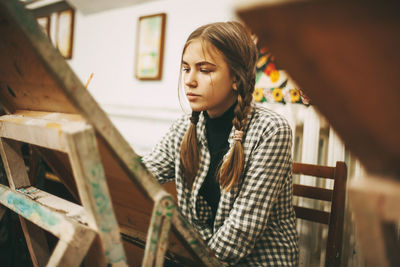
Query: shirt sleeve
[[269, 167], [161, 160]]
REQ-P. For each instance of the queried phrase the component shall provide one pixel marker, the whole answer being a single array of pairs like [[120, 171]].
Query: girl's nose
[[190, 80]]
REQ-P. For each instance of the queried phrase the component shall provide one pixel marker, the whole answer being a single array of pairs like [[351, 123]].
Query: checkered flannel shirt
[[255, 224]]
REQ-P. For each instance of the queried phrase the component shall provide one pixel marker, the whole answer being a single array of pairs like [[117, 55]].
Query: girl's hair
[[233, 40]]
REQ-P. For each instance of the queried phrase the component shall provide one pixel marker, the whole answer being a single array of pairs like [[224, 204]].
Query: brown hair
[[233, 40]]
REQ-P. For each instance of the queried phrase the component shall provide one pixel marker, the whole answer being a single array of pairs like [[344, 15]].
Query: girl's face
[[207, 79]]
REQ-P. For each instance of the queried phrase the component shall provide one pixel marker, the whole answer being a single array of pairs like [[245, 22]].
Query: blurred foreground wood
[[345, 56]]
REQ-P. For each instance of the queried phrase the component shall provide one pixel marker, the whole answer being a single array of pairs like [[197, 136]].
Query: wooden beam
[[312, 192], [157, 235], [93, 192], [45, 129], [18, 178], [312, 214], [68, 208], [310, 169], [36, 242], [13, 163], [53, 220], [72, 253]]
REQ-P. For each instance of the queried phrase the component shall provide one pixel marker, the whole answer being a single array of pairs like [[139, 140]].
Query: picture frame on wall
[[65, 32], [150, 47], [44, 23]]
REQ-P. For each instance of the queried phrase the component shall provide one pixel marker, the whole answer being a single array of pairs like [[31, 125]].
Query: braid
[[189, 154], [231, 169]]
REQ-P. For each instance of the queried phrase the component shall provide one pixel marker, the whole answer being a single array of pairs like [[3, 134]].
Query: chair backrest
[[334, 219]]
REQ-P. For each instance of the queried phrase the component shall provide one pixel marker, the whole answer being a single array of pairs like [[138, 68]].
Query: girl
[[231, 159]]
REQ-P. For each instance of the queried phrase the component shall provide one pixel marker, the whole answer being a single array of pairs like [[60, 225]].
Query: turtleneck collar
[[223, 120]]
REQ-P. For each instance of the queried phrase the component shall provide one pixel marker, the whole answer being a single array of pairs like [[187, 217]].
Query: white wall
[[104, 43]]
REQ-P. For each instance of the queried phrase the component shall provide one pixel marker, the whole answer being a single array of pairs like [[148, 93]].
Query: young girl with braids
[[231, 159]]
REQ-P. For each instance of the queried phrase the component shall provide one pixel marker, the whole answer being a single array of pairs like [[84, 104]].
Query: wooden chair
[[334, 218]]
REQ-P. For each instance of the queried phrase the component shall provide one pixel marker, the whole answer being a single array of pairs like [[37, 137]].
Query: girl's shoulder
[[181, 124], [266, 119]]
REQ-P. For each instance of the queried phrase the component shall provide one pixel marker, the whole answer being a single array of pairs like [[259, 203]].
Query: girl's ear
[[234, 86]]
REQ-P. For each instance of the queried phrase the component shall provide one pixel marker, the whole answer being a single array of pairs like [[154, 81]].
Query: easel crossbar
[[41, 128], [53, 220]]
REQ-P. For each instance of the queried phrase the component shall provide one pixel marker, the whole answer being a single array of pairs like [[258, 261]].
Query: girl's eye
[[184, 69], [205, 71]]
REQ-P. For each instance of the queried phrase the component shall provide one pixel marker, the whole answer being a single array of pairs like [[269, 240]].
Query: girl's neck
[[229, 111]]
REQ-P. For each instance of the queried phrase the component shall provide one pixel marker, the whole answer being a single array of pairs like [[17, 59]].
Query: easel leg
[[17, 178], [72, 254], [158, 233], [36, 241], [94, 194]]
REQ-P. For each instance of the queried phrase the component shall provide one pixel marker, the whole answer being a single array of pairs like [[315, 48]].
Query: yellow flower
[[277, 94], [294, 95], [258, 94], [274, 76], [262, 61]]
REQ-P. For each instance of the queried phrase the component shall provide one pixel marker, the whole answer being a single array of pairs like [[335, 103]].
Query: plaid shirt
[[255, 224]]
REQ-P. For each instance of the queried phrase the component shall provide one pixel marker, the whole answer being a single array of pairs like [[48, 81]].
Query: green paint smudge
[[28, 208], [102, 202]]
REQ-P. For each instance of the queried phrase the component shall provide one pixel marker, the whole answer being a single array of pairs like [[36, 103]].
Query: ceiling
[[87, 6]]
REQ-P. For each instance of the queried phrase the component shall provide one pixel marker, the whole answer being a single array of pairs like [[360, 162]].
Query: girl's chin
[[196, 108]]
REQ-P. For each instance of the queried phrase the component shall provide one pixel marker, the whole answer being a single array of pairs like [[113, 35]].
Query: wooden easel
[[74, 225], [48, 106]]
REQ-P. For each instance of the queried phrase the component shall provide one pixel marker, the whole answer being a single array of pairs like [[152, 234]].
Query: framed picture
[[44, 23], [65, 32], [150, 46]]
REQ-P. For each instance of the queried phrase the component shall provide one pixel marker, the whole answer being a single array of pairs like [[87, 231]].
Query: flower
[[294, 95], [287, 98], [274, 76], [258, 94], [268, 95], [262, 61], [277, 94], [270, 67]]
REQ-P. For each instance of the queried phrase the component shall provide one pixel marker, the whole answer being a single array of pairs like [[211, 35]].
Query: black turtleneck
[[217, 133]]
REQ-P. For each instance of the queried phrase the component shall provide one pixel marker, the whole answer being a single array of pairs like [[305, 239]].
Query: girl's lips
[[192, 97]]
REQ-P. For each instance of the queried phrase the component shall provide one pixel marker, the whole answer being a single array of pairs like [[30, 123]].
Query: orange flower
[[277, 94], [274, 76], [270, 67]]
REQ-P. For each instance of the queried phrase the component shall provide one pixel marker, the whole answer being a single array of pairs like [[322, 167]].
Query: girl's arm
[[268, 168], [161, 160]]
